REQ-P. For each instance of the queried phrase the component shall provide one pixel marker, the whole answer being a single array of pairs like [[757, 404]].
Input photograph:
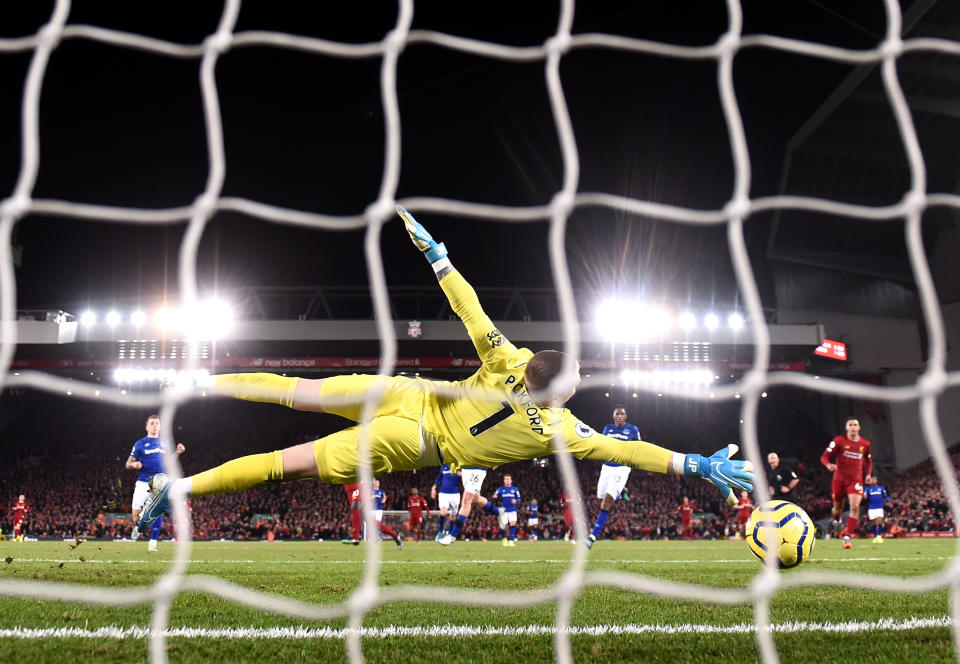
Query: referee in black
[[780, 477]]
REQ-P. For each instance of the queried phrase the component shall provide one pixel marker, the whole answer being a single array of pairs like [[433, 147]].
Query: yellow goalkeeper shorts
[[396, 439]]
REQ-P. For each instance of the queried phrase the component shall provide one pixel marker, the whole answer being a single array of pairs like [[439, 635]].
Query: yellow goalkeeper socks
[[239, 474], [261, 387]]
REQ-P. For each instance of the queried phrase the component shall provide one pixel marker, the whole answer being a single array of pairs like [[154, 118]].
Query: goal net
[[44, 45]]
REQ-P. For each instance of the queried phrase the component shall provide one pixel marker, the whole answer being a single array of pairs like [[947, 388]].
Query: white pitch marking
[[537, 561], [393, 631]]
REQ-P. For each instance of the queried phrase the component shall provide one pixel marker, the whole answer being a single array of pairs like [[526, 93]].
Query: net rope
[[368, 595]]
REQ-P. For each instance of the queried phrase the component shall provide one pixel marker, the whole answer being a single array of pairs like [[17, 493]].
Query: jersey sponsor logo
[[583, 430], [852, 455], [155, 450], [495, 338]]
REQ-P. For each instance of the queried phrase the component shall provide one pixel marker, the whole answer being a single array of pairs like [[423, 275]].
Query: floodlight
[[735, 321], [113, 318], [711, 321], [138, 318], [167, 317], [211, 319], [687, 321], [88, 318]]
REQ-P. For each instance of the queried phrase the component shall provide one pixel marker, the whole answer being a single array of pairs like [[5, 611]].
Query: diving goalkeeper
[[502, 413]]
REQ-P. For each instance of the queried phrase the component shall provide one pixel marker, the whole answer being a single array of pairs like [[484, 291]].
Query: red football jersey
[[19, 510], [686, 512], [744, 505], [853, 458], [416, 505]]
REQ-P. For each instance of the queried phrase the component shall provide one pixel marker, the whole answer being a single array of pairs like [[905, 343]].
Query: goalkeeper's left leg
[[334, 459]]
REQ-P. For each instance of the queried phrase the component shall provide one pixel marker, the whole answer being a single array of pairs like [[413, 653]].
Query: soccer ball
[[781, 529]]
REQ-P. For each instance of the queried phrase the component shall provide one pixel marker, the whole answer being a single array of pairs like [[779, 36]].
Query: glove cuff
[[436, 252], [692, 465]]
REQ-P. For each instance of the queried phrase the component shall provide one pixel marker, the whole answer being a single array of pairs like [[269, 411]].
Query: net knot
[[380, 210], [563, 203], [15, 206], [765, 584], [396, 40], [738, 208], [218, 42], [362, 601], [50, 35], [205, 205], [915, 202], [559, 43], [891, 47], [729, 43], [933, 381]]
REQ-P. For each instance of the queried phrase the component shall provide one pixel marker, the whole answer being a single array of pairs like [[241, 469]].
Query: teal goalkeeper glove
[[721, 471], [421, 238]]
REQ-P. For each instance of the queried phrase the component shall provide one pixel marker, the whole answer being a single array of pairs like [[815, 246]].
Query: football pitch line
[[433, 561], [442, 631]]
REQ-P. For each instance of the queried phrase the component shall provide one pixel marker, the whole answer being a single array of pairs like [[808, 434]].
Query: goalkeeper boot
[[157, 503]]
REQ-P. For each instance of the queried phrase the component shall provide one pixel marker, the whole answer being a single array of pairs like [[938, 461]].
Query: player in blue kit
[[533, 520], [147, 457], [876, 496], [472, 483], [613, 477], [509, 497], [448, 496]]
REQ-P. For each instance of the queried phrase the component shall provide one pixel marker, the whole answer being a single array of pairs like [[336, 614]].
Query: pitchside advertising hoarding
[[363, 363]]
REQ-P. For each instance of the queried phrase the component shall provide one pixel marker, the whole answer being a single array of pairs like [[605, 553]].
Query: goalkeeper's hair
[[542, 368]]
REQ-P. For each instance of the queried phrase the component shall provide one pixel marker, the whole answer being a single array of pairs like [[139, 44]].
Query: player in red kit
[[416, 506], [20, 510], [567, 502], [848, 458], [356, 517], [744, 508], [686, 509]]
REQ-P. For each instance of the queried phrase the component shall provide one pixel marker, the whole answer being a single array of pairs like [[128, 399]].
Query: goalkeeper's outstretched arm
[[463, 299]]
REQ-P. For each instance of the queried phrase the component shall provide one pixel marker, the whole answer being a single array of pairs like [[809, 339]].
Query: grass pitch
[[816, 624]]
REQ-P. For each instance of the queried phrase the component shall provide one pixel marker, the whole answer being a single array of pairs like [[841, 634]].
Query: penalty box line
[[444, 631]]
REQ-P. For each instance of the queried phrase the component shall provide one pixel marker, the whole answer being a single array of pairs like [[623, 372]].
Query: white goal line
[[443, 631]]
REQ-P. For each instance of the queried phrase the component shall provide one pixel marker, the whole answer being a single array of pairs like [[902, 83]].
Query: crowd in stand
[[75, 483]]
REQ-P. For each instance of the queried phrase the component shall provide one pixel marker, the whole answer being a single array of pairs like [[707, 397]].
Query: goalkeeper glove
[[421, 238], [721, 471]]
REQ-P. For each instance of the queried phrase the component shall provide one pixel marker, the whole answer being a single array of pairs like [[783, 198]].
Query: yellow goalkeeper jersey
[[501, 423]]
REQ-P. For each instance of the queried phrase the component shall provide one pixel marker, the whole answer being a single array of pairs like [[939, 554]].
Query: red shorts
[[353, 491], [743, 516], [845, 486], [415, 520]]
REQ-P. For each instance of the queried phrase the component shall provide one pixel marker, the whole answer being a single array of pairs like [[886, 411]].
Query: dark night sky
[[124, 127]]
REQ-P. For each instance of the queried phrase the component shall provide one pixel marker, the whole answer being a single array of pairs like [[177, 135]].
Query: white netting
[[369, 594]]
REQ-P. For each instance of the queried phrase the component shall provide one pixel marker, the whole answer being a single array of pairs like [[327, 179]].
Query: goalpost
[[369, 594]]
